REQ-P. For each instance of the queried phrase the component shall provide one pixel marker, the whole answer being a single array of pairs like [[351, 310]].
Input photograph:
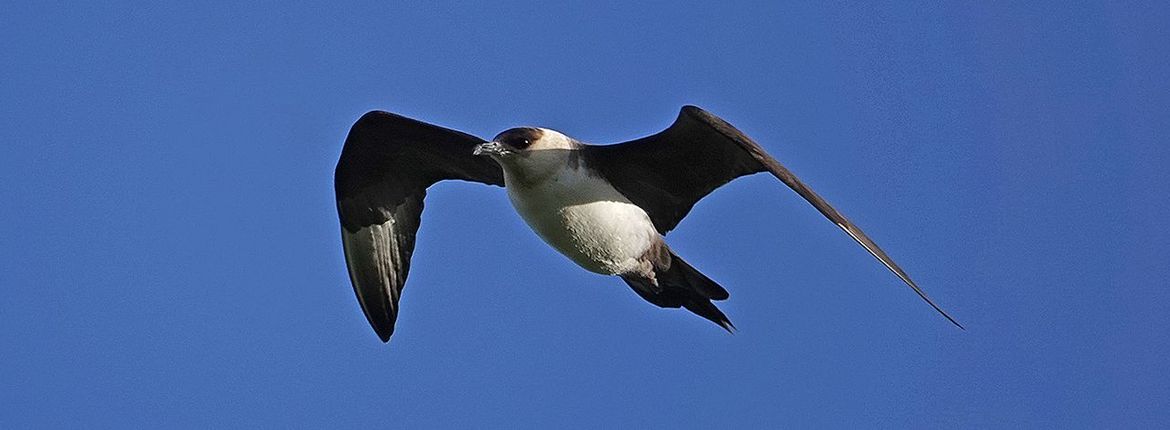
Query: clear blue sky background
[[170, 256]]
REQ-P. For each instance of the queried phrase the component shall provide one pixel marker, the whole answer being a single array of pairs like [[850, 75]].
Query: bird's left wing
[[668, 172], [385, 168]]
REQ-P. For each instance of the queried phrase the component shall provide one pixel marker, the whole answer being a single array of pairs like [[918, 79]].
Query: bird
[[607, 208]]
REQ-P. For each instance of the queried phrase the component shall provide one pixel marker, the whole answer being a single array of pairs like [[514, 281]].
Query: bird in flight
[[605, 207]]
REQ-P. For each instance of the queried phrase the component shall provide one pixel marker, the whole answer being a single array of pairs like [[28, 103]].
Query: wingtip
[[935, 306], [384, 328], [956, 323], [384, 335], [876, 251]]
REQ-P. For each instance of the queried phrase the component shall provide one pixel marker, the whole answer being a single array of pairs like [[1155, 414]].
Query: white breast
[[586, 219]]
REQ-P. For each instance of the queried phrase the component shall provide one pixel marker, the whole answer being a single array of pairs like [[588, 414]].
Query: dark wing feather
[[668, 172], [385, 168]]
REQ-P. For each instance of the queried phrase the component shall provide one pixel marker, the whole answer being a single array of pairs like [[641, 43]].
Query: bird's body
[[577, 212], [605, 207], [586, 219]]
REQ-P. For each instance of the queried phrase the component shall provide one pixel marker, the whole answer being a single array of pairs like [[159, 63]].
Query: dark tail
[[681, 285]]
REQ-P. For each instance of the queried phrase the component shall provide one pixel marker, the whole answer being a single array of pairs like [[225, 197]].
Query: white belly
[[587, 220]]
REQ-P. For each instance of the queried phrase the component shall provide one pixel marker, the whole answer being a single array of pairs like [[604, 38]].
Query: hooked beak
[[489, 148]]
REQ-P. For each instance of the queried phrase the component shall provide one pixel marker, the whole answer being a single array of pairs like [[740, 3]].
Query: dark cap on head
[[519, 138]]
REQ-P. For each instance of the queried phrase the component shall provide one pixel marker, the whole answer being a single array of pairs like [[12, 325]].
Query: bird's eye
[[519, 138], [519, 142]]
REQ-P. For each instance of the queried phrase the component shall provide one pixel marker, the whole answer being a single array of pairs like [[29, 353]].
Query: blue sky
[[170, 254]]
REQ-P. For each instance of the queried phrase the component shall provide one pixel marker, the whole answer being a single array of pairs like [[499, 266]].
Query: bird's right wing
[[668, 172], [385, 168]]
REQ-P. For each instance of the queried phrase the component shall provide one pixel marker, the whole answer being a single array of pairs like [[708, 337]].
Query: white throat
[[544, 159]]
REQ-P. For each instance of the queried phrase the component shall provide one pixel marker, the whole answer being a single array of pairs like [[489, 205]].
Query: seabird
[[605, 207]]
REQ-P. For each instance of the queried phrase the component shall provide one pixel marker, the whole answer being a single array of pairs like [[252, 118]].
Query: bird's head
[[529, 152], [524, 141]]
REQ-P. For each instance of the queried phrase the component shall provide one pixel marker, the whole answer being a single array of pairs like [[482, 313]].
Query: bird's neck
[[536, 167]]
